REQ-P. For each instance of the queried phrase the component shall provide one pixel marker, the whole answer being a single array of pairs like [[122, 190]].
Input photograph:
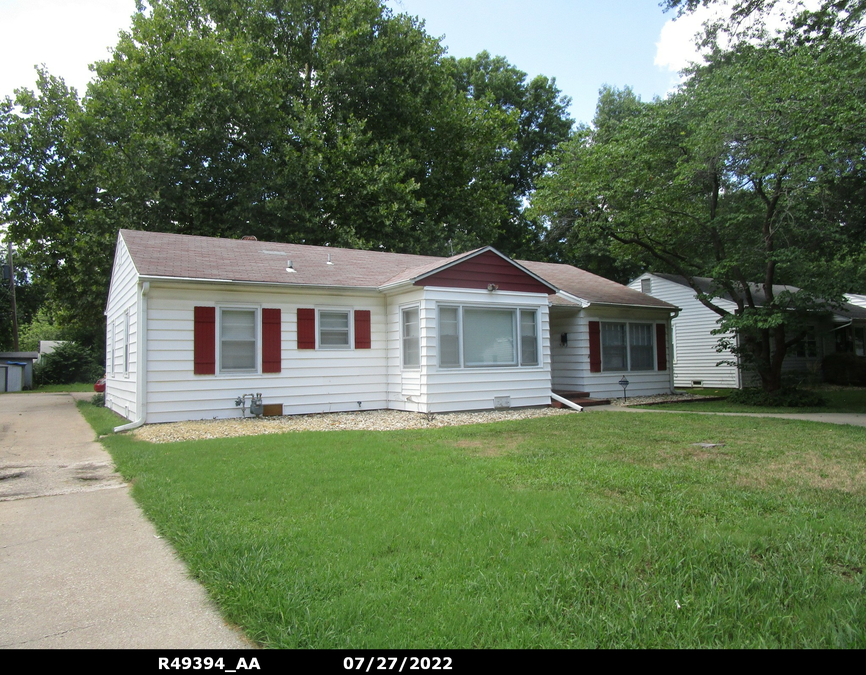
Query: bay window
[[411, 332], [487, 337]]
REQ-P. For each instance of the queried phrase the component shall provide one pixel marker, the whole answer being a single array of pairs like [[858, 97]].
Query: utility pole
[[12, 293]]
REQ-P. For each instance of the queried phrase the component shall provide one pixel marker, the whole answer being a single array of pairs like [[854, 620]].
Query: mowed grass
[[592, 530], [838, 401]]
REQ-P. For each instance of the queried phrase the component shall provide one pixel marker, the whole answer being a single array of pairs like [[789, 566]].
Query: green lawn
[[593, 530], [838, 401]]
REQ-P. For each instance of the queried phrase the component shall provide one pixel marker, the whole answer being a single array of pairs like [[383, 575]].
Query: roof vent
[[289, 267], [249, 237], [329, 260]]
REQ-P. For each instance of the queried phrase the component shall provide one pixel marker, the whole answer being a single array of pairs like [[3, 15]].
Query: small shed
[[16, 370]]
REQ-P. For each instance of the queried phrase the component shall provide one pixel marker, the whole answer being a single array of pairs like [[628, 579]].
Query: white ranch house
[[194, 323], [695, 357]]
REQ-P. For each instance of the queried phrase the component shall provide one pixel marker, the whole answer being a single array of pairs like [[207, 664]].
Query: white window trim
[[628, 368], [516, 309], [403, 310], [257, 329], [351, 319]]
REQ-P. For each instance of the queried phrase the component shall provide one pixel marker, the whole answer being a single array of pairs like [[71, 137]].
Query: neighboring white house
[[695, 359], [320, 329]]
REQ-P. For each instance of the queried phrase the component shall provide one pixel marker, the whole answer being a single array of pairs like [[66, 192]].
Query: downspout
[[671, 351], [141, 383], [566, 402]]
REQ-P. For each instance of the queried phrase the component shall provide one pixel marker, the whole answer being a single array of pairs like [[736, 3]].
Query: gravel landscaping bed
[[372, 420], [661, 398]]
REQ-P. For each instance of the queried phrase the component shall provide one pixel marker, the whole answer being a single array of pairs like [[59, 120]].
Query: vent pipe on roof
[[289, 267], [329, 260]]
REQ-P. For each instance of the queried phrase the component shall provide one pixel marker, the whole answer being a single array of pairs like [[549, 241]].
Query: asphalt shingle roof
[[158, 254]]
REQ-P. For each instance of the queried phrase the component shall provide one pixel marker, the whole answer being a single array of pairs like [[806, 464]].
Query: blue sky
[[582, 43]]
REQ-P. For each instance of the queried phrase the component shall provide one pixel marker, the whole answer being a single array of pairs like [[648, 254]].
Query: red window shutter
[[661, 346], [306, 328], [362, 329], [204, 341], [594, 347], [272, 355]]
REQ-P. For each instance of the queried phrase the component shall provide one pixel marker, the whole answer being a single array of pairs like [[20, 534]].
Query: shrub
[[98, 400], [783, 398], [844, 369], [67, 364]]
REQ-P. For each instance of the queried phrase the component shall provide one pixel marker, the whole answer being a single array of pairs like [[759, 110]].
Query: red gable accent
[[271, 340], [482, 270], [661, 347], [306, 328], [362, 329], [594, 347], [204, 341]]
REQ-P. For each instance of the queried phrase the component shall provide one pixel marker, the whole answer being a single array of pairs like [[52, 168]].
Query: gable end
[[482, 270]]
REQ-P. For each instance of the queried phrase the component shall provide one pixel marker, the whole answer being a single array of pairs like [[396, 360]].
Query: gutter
[[141, 382], [276, 284]]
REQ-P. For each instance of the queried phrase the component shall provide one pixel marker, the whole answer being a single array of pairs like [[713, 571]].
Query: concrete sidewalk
[[80, 565], [854, 419]]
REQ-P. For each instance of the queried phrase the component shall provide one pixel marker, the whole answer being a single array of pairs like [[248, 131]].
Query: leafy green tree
[[752, 172], [51, 206], [535, 122], [319, 122], [311, 121]]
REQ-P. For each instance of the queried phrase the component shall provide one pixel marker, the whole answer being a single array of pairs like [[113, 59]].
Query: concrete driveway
[[80, 566]]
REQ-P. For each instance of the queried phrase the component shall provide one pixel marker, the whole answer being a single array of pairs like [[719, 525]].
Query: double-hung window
[[237, 340], [334, 329], [627, 346], [487, 337]]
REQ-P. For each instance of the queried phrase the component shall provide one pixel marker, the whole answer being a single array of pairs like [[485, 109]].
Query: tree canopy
[[330, 122], [753, 171]]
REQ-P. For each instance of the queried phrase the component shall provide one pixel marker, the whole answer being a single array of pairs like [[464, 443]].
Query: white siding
[[405, 390], [571, 371], [452, 389], [695, 346], [310, 381], [120, 385]]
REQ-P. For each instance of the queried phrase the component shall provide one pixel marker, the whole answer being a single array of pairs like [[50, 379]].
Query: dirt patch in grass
[[809, 469]]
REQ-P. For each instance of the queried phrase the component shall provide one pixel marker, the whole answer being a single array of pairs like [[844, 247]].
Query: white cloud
[[677, 46], [66, 36]]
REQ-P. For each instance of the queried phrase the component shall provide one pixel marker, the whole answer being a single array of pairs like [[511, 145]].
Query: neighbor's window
[[808, 346], [860, 341], [237, 333], [411, 338], [334, 329], [479, 337], [627, 346]]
